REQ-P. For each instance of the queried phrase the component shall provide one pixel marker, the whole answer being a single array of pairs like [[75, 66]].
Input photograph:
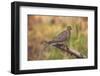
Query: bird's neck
[[69, 33]]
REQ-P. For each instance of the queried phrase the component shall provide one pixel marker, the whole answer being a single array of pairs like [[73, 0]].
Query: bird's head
[[69, 28]]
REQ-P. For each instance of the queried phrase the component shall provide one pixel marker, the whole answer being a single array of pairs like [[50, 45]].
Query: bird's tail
[[48, 42]]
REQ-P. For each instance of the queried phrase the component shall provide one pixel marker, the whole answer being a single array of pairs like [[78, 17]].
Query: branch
[[69, 50]]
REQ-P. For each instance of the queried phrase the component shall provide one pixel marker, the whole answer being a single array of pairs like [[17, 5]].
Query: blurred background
[[41, 28]]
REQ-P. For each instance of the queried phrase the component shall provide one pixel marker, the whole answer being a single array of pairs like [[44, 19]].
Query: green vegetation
[[42, 32]]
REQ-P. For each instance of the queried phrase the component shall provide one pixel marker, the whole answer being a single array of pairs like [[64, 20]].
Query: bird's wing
[[61, 37]]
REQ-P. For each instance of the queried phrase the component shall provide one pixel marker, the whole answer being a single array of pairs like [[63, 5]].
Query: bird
[[62, 37]]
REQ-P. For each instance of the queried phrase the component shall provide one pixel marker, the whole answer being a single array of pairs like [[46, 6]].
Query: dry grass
[[41, 30]]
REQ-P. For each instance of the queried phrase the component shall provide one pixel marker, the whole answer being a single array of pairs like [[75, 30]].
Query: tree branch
[[69, 50]]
